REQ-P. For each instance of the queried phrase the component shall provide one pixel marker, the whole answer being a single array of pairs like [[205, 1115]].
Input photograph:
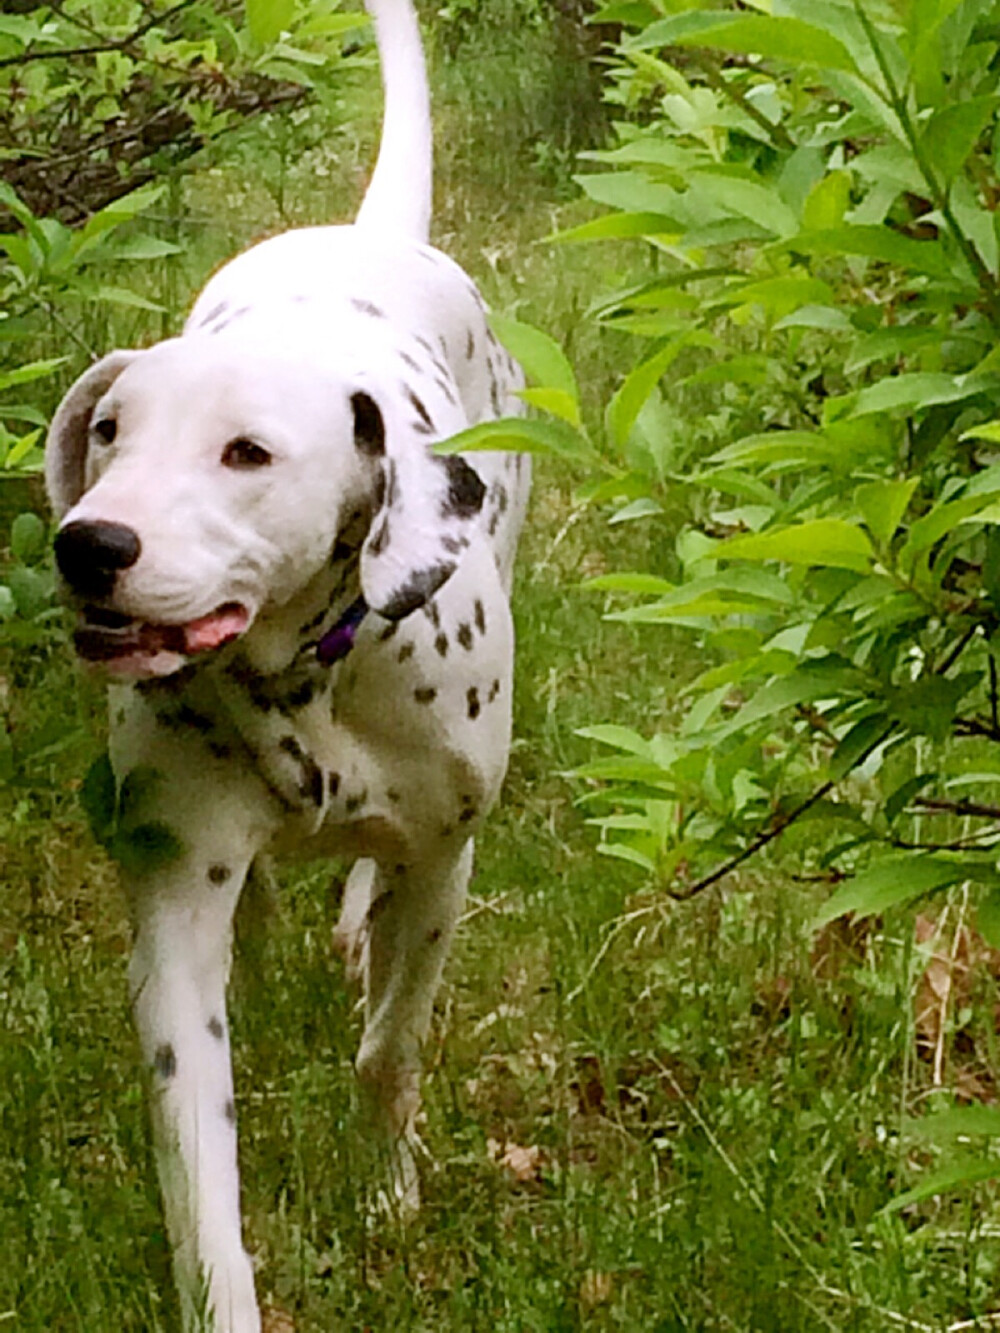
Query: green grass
[[640, 1115]]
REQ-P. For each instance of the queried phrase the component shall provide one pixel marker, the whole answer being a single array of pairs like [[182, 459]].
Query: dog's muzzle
[[90, 556]]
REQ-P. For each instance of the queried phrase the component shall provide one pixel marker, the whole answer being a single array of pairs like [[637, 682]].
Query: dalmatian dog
[[303, 613]]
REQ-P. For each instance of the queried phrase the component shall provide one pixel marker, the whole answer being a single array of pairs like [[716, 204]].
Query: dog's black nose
[[89, 555]]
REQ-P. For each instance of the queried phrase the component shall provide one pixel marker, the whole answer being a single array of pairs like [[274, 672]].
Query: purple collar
[[336, 643]]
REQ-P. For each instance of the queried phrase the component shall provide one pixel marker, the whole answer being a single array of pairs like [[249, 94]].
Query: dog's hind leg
[[411, 919]]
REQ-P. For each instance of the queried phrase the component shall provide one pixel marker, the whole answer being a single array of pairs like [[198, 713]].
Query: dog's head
[[203, 482]]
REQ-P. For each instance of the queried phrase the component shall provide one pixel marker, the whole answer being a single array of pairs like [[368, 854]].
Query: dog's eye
[[245, 454], [106, 429]]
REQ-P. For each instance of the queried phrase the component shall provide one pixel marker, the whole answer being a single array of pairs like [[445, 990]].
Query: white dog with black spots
[[304, 613]]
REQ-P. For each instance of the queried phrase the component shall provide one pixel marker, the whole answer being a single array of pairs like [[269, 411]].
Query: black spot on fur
[[441, 644], [215, 1028], [433, 614], [434, 935], [392, 795], [367, 308], [410, 361], [380, 540], [425, 694], [302, 694], [419, 407], [405, 651], [229, 1111], [465, 488], [380, 904], [392, 484], [340, 553], [218, 873], [311, 781], [356, 802], [369, 428], [421, 586], [467, 814], [472, 698], [446, 389], [389, 631], [214, 313], [494, 691], [333, 783], [165, 1061], [464, 636], [454, 545], [186, 716], [470, 345], [479, 615]]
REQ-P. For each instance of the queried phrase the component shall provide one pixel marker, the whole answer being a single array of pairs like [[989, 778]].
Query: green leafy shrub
[[816, 187]]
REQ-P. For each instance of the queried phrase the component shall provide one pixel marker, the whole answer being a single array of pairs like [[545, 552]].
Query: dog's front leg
[[183, 920]]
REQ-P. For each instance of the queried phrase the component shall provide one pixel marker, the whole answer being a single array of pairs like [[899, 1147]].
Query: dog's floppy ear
[[426, 509], [66, 447]]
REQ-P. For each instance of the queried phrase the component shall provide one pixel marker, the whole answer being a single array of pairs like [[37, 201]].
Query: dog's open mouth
[[128, 647]]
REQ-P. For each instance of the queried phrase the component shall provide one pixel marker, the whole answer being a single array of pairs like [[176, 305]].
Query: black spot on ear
[[418, 589], [441, 644], [464, 636], [165, 1061], [218, 873], [466, 491], [369, 428], [480, 617], [472, 698], [216, 1029], [425, 694]]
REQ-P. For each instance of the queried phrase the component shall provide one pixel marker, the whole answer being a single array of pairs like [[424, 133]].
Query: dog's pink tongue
[[217, 628]]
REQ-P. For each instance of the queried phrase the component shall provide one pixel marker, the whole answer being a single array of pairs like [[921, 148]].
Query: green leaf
[[553, 438], [787, 39], [539, 355], [915, 391], [267, 19], [957, 1122], [882, 505], [988, 924], [939, 521], [620, 226], [35, 370], [952, 131], [28, 538], [145, 847], [31, 590], [99, 798], [898, 879], [626, 404], [858, 743], [818, 541], [827, 202], [557, 402], [874, 242], [967, 1172], [751, 199]]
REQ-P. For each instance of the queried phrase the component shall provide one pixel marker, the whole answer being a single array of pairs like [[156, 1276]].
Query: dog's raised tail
[[399, 193]]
